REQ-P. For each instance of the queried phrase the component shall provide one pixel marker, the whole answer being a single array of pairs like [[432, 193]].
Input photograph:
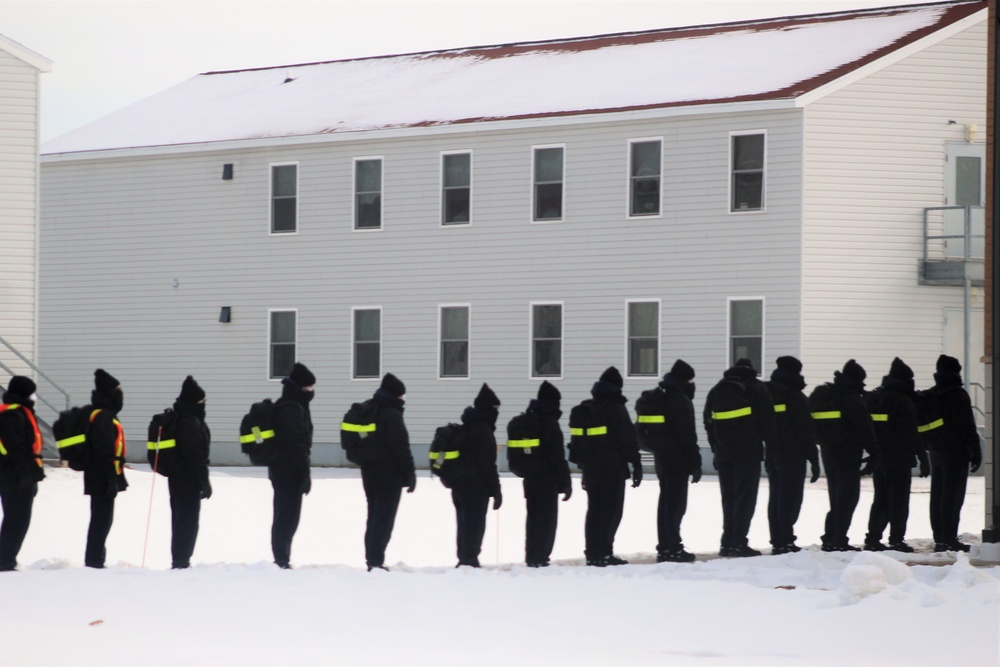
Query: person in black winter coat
[[739, 421], [604, 477], [673, 439], [188, 482], [894, 416], [384, 479], [955, 451], [104, 476], [548, 477], [480, 481], [794, 444], [844, 431], [20, 466], [289, 472]]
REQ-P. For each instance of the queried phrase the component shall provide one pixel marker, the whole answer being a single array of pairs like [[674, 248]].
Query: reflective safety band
[[732, 414], [781, 407], [72, 440], [256, 435], [3, 450], [937, 423], [652, 419], [523, 444], [880, 417], [832, 414], [596, 430], [161, 444], [440, 457], [357, 428]]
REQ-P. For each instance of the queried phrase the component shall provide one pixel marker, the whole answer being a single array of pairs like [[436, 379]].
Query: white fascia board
[[36, 60], [444, 129], [891, 59]]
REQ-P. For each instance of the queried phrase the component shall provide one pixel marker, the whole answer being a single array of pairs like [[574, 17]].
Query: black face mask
[[307, 396], [689, 390], [199, 411], [117, 400]]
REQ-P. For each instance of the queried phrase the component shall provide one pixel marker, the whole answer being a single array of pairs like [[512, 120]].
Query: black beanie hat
[[789, 363], [747, 363], [302, 376], [393, 385], [191, 392], [946, 364], [900, 370], [547, 392], [486, 399], [681, 371], [22, 386], [612, 376], [104, 382], [854, 371]]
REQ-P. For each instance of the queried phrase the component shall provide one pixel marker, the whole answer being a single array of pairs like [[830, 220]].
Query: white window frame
[[763, 329], [531, 177], [381, 343], [441, 173], [270, 197], [531, 339], [731, 176], [628, 179], [440, 339], [354, 193], [270, 342], [659, 337]]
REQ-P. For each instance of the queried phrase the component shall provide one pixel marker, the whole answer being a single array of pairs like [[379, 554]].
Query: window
[[367, 342], [746, 331], [546, 340], [284, 193], [454, 341], [548, 183], [747, 185], [368, 193], [643, 338], [282, 343], [456, 188], [645, 160]]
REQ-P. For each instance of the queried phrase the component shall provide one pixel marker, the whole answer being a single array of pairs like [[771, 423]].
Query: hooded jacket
[[479, 449], [621, 431], [395, 469]]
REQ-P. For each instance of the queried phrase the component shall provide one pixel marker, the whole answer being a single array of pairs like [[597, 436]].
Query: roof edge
[[21, 52]]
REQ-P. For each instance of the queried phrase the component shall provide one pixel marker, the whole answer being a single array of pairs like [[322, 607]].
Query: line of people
[[747, 421]]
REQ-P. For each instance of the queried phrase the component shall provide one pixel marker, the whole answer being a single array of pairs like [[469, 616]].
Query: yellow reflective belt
[[937, 423], [781, 407], [880, 417], [256, 435], [162, 444], [597, 430], [357, 428], [72, 440], [3, 450], [440, 457], [652, 419], [523, 444], [832, 414], [732, 414]]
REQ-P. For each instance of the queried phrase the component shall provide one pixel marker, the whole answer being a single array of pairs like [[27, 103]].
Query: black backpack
[[930, 420], [359, 435], [732, 415], [446, 455], [651, 421], [524, 454], [257, 433], [824, 405], [161, 443], [589, 444], [70, 431]]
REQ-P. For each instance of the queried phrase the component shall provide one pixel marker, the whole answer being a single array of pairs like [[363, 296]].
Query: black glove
[[411, 482], [977, 460], [925, 466], [567, 492], [636, 474], [696, 475], [814, 470], [497, 500], [206, 490], [866, 469]]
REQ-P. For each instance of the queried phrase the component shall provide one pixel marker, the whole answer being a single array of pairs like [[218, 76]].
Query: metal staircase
[[52, 399]]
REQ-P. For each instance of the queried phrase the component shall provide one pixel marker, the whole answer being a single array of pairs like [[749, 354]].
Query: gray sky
[[110, 54]]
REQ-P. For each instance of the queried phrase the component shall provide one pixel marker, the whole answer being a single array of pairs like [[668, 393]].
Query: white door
[[965, 177]]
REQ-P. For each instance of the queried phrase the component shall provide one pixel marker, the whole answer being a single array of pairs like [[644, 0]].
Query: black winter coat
[[551, 448], [105, 473], [680, 452], [898, 443], [621, 432], [193, 445], [960, 440], [479, 451], [842, 441], [794, 437], [19, 468], [395, 468], [744, 438], [293, 435]]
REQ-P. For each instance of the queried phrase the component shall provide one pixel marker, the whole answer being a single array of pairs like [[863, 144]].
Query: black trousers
[[17, 505], [287, 510], [670, 510], [843, 488], [185, 511], [542, 500], [605, 502], [739, 482], [470, 515], [891, 505], [947, 497], [383, 502], [786, 481], [102, 515]]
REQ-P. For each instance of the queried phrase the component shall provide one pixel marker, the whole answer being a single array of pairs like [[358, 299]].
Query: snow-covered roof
[[761, 60]]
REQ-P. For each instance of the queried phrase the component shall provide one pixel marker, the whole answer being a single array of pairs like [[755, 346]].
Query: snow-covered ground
[[233, 607]]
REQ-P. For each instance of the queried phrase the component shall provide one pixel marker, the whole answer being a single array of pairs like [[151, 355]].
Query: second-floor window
[[546, 340], [547, 195], [368, 193], [645, 159], [746, 331], [367, 342], [284, 196], [747, 178], [454, 341], [643, 338], [456, 188], [281, 336]]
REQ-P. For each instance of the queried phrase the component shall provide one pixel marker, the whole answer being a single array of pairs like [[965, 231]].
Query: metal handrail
[[38, 371], [966, 235]]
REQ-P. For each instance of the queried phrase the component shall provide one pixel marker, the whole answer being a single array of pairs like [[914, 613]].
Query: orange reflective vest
[[119, 441], [36, 445]]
